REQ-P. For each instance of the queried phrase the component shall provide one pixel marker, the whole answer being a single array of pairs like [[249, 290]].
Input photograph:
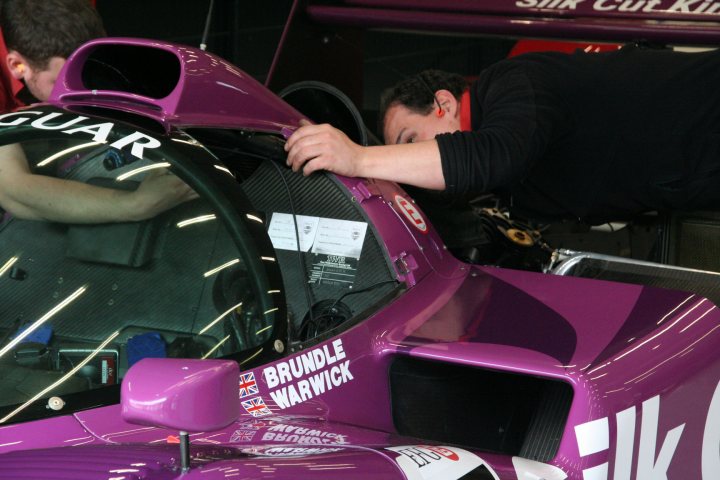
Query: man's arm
[[38, 197], [323, 147]]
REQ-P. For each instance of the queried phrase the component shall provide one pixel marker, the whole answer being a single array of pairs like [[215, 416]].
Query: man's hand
[[323, 147]]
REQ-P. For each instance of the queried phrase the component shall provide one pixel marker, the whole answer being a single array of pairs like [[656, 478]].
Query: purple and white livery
[[281, 326]]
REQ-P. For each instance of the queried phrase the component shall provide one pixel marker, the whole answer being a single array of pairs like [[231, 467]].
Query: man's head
[[420, 107], [41, 34]]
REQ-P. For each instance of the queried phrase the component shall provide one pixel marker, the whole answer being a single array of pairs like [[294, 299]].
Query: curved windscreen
[[128, 245]]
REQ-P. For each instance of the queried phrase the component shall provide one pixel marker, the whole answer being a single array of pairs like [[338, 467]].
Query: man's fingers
[[305, 131], [312, 165], [304, 154]]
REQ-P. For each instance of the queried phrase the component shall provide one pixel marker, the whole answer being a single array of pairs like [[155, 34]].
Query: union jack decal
[[248, 385], [256, 407], [242, 435]]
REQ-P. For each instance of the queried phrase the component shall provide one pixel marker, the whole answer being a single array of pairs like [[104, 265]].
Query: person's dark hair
[[42, 29], [417, 93]]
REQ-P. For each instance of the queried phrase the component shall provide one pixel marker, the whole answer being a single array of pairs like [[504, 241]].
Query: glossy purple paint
[[167, 392], [210, 91], [623, 348]]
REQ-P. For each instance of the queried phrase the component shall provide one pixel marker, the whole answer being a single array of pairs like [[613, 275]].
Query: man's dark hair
[[417, 93], [42, 29]]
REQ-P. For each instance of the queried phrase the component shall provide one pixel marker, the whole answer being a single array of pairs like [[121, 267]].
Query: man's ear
[[448, 102], [17, 64]]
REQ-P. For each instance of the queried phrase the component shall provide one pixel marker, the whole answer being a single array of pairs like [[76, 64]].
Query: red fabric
[[465, 120], [526, 46], [9, 85]]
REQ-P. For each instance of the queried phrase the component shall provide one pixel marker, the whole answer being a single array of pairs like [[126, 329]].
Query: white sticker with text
[[340, 237], [282, 231]]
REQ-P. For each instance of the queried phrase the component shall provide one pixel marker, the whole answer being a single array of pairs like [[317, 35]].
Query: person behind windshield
[[39, 36], [592, 136]]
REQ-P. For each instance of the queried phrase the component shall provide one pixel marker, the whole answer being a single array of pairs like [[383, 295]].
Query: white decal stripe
[[531, 470], [711, 439], [593, 437], [596, 473], [648, 467], [625, 443]]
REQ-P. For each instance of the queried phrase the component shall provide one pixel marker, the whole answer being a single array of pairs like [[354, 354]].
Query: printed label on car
[[334, 270], [136, 142], [426, 462], [290, 451], [308, 375], [412, 213], [282, 433]]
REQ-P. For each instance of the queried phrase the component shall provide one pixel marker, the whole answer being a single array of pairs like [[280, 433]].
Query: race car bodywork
[[364, 348]]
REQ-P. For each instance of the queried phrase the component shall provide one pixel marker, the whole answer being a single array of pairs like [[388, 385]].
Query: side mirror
[[181, 394]]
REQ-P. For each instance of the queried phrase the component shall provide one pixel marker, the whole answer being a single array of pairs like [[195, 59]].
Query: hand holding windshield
[[323, 147]]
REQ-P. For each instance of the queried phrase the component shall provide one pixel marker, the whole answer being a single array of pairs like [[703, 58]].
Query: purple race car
[[281, 326]]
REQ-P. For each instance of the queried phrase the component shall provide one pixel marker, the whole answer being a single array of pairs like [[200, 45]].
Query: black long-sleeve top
[[596, 136]]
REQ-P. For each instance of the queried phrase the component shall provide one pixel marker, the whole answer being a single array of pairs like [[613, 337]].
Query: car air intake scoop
[[173, 84]]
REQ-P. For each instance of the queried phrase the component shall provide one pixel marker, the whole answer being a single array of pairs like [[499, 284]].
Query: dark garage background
[[247, 33]]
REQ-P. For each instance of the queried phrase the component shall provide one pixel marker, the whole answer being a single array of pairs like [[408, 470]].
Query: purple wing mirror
[[168, 393]]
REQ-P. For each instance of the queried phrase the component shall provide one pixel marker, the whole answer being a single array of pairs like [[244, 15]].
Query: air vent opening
[[150, 72], [493, 411]]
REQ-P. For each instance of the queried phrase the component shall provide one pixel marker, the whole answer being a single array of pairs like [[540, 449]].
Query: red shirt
[[465, 120]]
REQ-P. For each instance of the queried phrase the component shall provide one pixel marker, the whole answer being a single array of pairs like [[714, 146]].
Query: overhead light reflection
[[138, 170], [263, 330], [192, 221], [674, 309], [333, 467], [42, 320], [599, 367], [273, 291], [271, 310], [615, 391], [11, 443], [62, 153], [212, 350], [77, 439], [662, 331], [652, 370], [223, 169], [233, 87], [221, 267], [269, 259], [222, 315], [691, 323], [254, 218], [251, 356], [192, 142], [62, 379], [8, 265]]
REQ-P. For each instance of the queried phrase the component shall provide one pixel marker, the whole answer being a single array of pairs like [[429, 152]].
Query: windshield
[[137, 245]]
